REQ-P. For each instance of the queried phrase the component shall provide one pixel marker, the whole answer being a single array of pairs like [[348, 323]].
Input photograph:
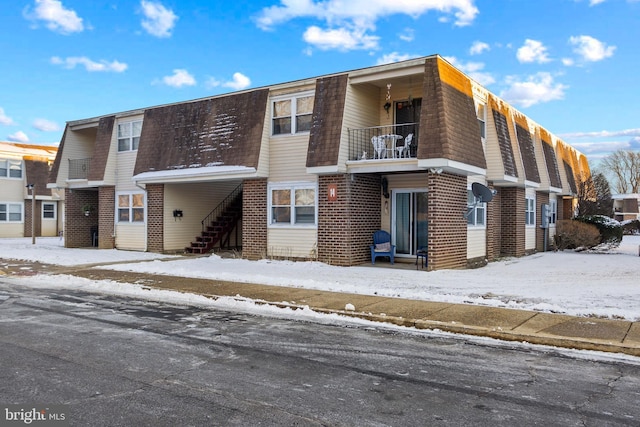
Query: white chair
[[403, 150], [379, 147]]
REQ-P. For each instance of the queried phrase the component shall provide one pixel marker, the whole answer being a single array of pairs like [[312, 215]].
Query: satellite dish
[[482, 192]]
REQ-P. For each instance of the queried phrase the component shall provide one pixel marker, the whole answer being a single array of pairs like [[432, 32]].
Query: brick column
[[494, 227], [106, 217], [513, 205], [155, 218], [346, 225], [447, 223], [254, 219], [28, 219]]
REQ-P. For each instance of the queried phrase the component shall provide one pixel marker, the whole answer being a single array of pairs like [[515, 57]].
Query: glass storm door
[[409, 221]]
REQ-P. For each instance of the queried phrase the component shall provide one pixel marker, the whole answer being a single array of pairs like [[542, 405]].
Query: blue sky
[[570, 65]]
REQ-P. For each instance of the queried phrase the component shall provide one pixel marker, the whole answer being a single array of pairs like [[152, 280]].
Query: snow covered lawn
[[583, 284]]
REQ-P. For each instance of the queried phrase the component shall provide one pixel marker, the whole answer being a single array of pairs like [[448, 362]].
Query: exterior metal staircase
[[217, 227]]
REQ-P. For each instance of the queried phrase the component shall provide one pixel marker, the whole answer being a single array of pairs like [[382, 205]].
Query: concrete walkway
[[558, 330]]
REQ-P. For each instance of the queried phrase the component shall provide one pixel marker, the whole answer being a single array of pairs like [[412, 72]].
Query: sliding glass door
[[409, 221]]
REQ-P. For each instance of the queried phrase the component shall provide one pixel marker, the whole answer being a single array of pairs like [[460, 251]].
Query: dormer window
[[482, 120], [129, 135], [292, 115]]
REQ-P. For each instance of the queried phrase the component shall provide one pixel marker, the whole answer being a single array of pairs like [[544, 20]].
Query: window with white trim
[[11, 168], [476, 212], [530, 211], [11, 212], [292, 115], [129, 135], [553, 211], [293, 205], [48, 210], [482, 120], [130, 208]]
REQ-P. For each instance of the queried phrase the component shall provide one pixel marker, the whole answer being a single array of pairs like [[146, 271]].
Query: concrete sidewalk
[[619, 336]]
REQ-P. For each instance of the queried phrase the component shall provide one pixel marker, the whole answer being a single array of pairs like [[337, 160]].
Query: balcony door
[[407, 118], [409, 221]]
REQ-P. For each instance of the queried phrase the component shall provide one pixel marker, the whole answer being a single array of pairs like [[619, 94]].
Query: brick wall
[[541, 199], [155, 218], [106, 220], [77, 226], [494, 226], [346, 225], [512, 205], [28, 217], [254, 219], [447, 223]]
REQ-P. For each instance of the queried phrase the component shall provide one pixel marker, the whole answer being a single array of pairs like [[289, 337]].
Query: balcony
[[386, 143], [79, 168]]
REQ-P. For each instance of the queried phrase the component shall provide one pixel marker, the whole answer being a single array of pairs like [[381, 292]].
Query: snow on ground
[[583, 284]]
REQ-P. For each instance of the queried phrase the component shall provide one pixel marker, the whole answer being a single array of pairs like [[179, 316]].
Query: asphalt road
[[124, 362]]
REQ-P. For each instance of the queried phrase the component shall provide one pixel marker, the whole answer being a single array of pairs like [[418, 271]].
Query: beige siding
[[530, 231], [196, 201], [131, 236], [77, 145], [49, 228], [292, 242], [126, 161], [288, 158], [476, 242], [12, 229], [495, 166], [13, 190], [361, 110]]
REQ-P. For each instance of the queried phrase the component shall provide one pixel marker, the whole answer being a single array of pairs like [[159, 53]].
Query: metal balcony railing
[[364, 142], [79, 168]]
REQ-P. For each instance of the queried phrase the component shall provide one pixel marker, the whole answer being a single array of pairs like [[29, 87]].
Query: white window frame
[[130, 208], [482, 120], [7, 212], [9, 166], [530, 211], [294, 113], [292, 207], [130, 138], [474, 210], [54, 211], [553, 210]]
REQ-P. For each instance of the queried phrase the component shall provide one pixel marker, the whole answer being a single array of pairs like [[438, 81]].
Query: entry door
[[409, 220]]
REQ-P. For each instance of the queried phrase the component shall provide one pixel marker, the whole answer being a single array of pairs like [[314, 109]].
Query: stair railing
[[222, 206]]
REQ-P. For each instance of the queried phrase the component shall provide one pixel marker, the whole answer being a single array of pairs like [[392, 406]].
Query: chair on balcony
[[403, 150], [382, 246], [379, 147]]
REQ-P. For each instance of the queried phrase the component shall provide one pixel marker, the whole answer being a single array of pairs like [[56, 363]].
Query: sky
[[570, 65], [602, 284]]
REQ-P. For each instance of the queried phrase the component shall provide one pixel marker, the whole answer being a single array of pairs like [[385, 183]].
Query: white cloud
[[392, 57], [341, 39], [212, 82], [89, 65], [45, 125], [603, 134], [4, 119], [408, 35], [473, 70], [55, 16], [591, 49], [348, 23], [478, 47], [240, 81], [158, 20], [18, 137], [534, 90], [568, 62], [180, 77], [532, 51]]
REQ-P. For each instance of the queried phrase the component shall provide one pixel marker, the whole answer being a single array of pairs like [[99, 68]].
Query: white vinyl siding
[[476, 242], [288, 159], [288, 243], [130, 237], [77, 145]]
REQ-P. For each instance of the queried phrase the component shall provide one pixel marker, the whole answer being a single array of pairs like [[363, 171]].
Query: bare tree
[[623, 166], [594, 195]]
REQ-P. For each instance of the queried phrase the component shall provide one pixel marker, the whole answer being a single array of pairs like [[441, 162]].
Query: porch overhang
[[186, 175]]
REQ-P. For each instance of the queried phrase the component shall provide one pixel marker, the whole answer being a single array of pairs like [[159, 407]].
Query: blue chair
[[382, 246]]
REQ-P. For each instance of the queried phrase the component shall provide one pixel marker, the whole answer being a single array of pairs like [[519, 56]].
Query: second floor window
[[10, 168], [292, 115], [129, 135], [482, 120]]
